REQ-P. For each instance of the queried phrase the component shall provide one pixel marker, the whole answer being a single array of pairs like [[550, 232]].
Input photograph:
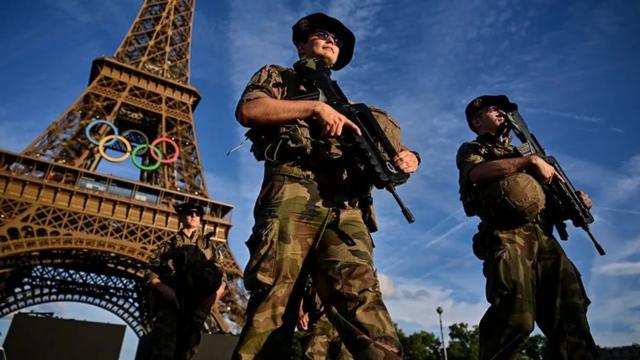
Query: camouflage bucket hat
[[514, 200], [309, 24], [481, 102]]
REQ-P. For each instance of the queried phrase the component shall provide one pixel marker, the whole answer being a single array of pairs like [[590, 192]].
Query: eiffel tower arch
[[69, 232]]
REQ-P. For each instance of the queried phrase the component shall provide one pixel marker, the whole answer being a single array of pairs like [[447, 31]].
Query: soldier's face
[[488, 120], [191, 221], [321, 46]]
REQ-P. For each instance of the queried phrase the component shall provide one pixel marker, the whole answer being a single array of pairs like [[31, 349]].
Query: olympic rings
[[136, 136], [87, 131], [104, 140], [154, 151], [133, 133], [175, 154]]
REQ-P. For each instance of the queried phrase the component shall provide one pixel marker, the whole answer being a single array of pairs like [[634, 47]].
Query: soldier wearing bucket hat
[[529, 277], [314, 213], [326, 26], [186, 280]]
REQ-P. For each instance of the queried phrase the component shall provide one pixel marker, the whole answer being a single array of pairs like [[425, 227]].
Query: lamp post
[[444, 347]]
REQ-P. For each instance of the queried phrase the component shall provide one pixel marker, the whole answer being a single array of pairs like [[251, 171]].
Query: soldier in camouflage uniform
[[529, 277], [313, 214], [324, 341], [186, 280]]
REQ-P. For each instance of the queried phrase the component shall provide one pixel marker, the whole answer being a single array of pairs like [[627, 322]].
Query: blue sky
[[572, 66]]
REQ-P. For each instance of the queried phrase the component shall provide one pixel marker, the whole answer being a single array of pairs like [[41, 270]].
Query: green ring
[[135, 162]]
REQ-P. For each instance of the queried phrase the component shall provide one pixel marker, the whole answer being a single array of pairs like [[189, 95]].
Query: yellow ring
[[122, 158]]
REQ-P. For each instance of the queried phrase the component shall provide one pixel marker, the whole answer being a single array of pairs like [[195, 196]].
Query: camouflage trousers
[[175, 335], [530, 279], [298, 231], [325, 343]]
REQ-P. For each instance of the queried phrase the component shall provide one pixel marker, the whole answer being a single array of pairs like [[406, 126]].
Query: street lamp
[[444, 347]]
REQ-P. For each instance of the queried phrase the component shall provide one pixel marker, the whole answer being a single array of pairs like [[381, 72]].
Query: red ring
[[173, 158]]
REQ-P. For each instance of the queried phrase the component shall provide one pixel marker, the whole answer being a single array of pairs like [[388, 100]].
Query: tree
[[536, 348], [463, 342], [420, 345]]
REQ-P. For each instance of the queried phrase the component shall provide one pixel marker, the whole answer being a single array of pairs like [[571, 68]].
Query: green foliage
[[463, 342], [536, 348], [420, 346]]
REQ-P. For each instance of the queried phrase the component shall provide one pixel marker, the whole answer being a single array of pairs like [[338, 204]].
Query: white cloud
[[85, 11], [386, 285], [621, 268], [585, 118], [257, 36], [415, 303], [616, 318]]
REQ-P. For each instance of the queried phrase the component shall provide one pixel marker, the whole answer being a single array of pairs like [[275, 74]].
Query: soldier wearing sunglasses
[[529, 277], [314, 212], [186, 280]]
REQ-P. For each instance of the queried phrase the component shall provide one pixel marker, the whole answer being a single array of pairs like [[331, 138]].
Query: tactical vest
[[291, 141], [471, 193], [300, 143], [301, 139], [511, 201]]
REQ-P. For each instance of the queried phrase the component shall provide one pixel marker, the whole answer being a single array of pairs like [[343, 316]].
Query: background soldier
[[324, 341], [312, 209], [186, 281], [529, 277]]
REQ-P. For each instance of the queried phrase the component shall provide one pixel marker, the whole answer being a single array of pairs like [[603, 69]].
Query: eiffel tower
[[68, 232]]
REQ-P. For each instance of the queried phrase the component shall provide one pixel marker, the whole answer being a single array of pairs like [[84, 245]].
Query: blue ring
[[87, 131]]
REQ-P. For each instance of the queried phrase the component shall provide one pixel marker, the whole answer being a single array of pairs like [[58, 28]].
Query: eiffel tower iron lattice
[[71, 233]]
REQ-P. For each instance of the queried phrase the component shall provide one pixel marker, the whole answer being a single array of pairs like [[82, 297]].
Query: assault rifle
[[562, 197], [316, 75]]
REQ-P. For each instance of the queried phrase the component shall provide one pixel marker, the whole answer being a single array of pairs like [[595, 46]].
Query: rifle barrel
[[405, 211], [599, 247]]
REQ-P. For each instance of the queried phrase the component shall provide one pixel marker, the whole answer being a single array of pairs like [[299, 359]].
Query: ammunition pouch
[[291, 142], [286, 143], [260, 272], [513, 201], [368, 213], [469, 202]]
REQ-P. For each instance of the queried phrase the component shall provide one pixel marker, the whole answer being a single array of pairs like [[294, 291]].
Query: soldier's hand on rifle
[[546, 172], [585, 198], [406, 161], [333, 122], [303, 317]]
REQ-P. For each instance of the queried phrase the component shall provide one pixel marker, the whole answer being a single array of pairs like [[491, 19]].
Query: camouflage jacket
[[304, 146], [278, 82], [484, 148], [164, 257]]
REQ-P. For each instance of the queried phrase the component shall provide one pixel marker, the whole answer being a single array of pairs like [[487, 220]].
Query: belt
[[287, 169]]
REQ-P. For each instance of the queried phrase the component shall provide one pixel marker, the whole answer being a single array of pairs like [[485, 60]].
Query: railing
[[50, 172]]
